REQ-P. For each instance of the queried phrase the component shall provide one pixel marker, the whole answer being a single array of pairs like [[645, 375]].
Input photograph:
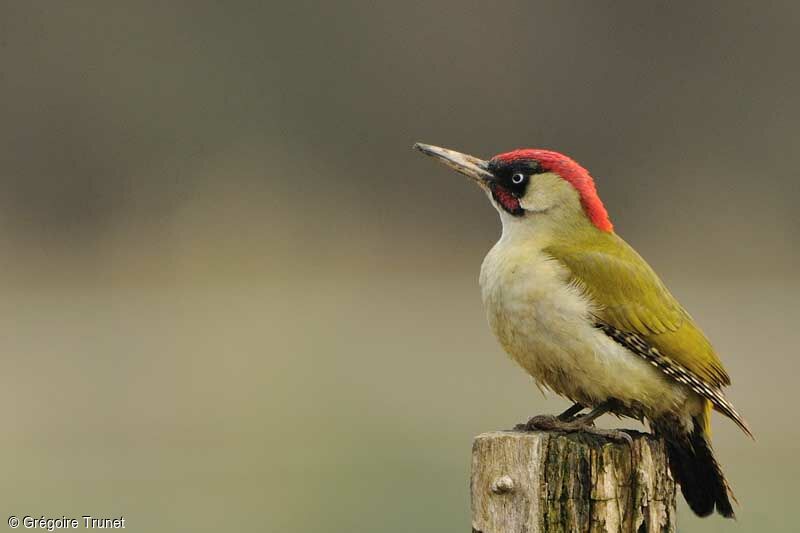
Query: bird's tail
[[694, 467]]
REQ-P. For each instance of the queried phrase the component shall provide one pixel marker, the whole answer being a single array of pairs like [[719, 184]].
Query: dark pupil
[[515, 177]]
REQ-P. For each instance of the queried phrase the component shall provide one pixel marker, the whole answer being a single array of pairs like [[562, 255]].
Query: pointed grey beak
[[472, 167]]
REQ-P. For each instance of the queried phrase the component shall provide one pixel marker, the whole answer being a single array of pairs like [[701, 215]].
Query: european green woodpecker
[[578, 309]]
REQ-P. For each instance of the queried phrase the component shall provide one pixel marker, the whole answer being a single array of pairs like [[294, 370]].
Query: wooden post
[[531, 482]]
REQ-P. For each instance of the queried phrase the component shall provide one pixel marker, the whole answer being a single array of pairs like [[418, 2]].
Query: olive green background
[[234, 299]]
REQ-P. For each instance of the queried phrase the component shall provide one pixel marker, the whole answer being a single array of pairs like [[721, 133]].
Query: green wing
[[631, 298]]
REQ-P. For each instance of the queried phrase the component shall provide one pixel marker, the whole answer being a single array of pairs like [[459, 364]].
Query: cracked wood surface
[[551, 482]]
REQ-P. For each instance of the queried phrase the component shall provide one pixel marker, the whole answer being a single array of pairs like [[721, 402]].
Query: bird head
[[530, 186]]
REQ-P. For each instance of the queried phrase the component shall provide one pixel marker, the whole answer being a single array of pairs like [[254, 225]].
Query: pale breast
[[545, 324]]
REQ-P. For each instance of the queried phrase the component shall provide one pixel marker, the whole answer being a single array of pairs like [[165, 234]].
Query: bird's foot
[[616, 435], [544, 423], [578, 424]]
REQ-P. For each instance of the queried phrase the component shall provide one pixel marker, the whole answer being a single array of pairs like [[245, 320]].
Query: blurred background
[[234, 298]]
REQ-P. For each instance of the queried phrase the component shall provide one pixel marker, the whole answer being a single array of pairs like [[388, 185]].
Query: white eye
[[516, 179]]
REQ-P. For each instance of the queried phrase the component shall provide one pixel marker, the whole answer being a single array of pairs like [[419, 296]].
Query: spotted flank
[[640, 347]]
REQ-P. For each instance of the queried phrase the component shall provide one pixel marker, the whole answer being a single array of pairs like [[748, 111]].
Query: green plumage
[[630, 297], [548, 203]]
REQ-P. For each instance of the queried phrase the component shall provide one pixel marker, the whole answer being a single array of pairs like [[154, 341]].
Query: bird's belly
[[545, 325]]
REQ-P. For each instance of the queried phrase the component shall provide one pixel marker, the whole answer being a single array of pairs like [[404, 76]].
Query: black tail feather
[[693, 465]]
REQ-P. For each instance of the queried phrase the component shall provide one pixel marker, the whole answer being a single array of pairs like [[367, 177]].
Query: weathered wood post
[[535, 482]]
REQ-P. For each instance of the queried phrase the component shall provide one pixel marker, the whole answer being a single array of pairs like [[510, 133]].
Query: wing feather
[[639, 346], [630, 297]]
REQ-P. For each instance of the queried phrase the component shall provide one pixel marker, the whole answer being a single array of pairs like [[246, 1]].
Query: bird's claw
[[549, 423], [611, 434], [573, 425]]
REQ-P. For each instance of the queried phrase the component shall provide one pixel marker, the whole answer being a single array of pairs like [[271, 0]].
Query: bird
[[584, 314]]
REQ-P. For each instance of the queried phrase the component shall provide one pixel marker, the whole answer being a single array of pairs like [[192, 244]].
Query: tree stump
[[553, 482]]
